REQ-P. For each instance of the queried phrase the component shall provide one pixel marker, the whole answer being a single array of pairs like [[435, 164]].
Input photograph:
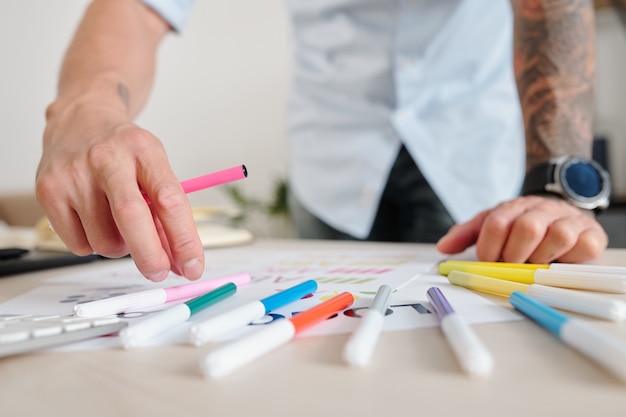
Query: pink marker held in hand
[[213, 179]]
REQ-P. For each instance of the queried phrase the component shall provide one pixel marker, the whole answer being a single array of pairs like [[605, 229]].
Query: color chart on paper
[[360, 272]]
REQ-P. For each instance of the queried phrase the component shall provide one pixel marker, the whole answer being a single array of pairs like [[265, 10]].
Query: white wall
[[33, 35], [218, 100], [219, 95], [611, 93]]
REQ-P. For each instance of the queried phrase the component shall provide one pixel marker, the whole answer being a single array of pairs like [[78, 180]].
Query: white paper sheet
[[357, 271]]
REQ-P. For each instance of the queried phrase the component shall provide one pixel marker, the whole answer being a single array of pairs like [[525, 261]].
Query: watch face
[[580, 178], [584, 182]]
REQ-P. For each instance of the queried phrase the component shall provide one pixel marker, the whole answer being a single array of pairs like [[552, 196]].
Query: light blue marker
[[216, 326], [604, 349]]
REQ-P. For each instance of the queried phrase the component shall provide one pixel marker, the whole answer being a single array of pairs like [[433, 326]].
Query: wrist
[[581, 182], [105, 92], [95, 108]]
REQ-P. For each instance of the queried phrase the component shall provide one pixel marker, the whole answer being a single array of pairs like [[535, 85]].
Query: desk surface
[[412, 373]]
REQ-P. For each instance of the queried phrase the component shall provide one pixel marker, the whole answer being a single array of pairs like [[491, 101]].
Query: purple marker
[[472, 355]]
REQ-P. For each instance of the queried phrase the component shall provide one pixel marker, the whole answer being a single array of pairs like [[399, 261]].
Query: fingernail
[[158, 276], [193, 268]]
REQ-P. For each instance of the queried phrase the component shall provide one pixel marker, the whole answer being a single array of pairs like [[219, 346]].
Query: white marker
[[607, 351], [161, 321], [360, 347], [216, 326], [592, 304], [472, 355]]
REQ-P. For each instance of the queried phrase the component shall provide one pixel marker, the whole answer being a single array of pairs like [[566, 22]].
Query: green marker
[[137, 333]]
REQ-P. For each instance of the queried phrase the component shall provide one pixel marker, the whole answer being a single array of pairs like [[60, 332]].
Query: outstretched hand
[[91, 183], [529, 229]]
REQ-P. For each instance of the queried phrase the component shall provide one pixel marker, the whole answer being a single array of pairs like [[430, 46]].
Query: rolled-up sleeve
[[175, 12]]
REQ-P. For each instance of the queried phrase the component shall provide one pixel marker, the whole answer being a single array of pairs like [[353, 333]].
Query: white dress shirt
[[370, 75]]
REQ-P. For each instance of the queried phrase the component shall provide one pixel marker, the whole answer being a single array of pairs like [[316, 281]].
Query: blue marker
[[604, 349], [216, 326]]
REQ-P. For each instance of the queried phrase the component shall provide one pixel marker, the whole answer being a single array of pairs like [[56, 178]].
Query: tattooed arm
[[554, 62], [96, 163], [554, 67]]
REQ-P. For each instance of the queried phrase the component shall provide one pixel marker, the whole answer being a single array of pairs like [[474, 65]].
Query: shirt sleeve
[[175, 12]]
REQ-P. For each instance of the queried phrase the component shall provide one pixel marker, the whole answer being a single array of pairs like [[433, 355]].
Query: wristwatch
[[581, 181]]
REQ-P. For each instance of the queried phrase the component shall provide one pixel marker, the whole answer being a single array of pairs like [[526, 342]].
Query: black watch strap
[[537, 178]]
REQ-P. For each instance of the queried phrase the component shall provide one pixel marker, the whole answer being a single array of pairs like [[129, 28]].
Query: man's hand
[[97, 165], [533, 229], [90, 183]]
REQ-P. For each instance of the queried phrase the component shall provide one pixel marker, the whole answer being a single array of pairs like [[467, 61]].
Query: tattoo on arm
[[554, 61], [124, 94]]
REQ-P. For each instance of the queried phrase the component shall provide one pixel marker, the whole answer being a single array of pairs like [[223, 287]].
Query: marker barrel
[[486, 284], [445, 267], [601, 269], [127, 302], [213, 327], [524, 276], [563, 298], [227, 358], [201, 302], [581, 280], [223, 323], [149, 298], [360, 347], [215, 178], [163, 320], [194, 289], [289, 295], [136, 334], [321, 312], [472, 355], [602, 348], [579, 302]]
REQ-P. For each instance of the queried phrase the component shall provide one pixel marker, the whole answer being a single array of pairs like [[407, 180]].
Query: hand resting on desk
[[532, 228]]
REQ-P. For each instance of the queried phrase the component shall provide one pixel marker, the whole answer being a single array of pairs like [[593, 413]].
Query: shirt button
[[404, 62], [403, 114], [367, 195]]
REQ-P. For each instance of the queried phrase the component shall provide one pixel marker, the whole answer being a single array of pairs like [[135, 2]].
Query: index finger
[[172, 208], [134, 221]]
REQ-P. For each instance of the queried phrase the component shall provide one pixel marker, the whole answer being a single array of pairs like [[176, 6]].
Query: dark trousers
[[409, 210]]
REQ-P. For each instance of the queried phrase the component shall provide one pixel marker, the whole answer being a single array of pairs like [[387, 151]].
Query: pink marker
[[213, 179], [154, 297]]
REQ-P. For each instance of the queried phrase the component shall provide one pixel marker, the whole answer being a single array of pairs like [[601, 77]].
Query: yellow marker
[[545, 276], [525, 276], [565, 299], [448, 266], [481, 283]]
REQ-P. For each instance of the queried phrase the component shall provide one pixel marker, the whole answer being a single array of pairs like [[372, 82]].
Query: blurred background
[[220, 94]]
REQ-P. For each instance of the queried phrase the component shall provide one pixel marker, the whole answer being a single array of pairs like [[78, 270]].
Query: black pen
[[12, 253]]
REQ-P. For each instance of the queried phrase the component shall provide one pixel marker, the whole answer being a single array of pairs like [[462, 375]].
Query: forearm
[[110, 62], [554, 62]]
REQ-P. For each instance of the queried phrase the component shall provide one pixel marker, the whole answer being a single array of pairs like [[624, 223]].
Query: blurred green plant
[[277, 206]]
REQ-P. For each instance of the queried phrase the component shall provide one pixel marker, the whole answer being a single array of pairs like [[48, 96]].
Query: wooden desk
[[412, 373]]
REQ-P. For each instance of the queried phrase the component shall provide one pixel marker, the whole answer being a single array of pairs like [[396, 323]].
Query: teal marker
[[219, 325], [137, 333]]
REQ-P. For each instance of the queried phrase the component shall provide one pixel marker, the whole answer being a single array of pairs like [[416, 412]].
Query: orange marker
[[227, 358]]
